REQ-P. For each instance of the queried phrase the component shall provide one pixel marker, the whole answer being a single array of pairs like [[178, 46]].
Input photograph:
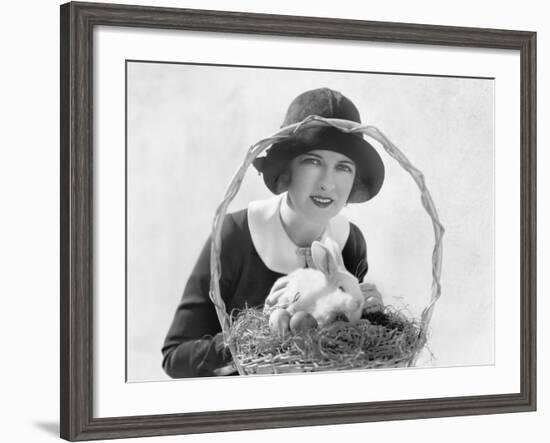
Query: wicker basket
[[319, 350]]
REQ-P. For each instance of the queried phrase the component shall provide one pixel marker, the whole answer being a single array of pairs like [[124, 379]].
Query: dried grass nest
[[387, 338]]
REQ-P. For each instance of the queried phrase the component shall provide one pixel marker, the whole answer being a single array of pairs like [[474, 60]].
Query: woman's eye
[[311, 161], [345, 168]]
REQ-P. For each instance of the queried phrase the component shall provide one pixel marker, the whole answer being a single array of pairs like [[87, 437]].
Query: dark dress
[[194, 344]]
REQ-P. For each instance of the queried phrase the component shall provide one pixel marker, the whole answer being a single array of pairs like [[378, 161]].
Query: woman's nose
[[326, 182]]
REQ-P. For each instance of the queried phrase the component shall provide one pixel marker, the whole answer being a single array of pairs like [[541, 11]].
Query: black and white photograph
[[285, 220], [237, 221]]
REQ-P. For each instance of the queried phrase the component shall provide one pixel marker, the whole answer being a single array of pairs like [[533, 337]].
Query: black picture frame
[[76, 211]]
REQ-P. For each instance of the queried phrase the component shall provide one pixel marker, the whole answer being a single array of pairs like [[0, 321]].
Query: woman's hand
[[277, 292], [373, 298], [230, 369]]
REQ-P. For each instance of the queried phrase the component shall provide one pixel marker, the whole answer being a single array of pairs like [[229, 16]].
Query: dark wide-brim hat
[[314, 135]]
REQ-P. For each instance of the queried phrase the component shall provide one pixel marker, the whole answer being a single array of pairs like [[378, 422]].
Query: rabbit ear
[[335, 251], [323, 258]]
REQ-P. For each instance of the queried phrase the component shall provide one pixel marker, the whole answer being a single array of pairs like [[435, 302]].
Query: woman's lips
[[321, 202]]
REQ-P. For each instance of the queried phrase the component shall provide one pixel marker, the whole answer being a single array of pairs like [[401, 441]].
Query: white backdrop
[[189, 128], [29, 183]]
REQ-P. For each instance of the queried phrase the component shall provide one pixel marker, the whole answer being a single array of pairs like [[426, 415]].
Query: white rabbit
[[323, 292]]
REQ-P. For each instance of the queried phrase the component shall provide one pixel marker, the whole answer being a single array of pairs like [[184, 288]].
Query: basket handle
[[283, 133], [429, 206]]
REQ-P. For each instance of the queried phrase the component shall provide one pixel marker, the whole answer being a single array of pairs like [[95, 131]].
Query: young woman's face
[[320, 184]]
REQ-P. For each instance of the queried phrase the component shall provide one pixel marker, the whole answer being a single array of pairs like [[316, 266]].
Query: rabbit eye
[[341, 288]]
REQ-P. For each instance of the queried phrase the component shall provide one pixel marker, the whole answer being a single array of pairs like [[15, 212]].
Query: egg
[[279, 322], [302, 321]]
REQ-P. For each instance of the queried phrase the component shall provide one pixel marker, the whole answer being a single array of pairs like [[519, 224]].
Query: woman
[[313, 174]]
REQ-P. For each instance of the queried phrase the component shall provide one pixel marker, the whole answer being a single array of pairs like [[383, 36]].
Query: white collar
[[273, 244]]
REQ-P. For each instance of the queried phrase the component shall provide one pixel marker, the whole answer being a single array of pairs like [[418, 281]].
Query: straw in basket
[[379, 339]]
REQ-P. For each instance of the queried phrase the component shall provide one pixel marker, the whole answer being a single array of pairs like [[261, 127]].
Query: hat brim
[[369, 166]]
